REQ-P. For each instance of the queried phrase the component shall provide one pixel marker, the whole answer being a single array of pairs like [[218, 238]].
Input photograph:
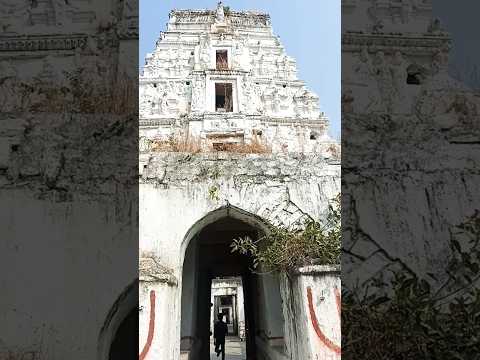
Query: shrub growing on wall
[[408, 318], [284, 249]]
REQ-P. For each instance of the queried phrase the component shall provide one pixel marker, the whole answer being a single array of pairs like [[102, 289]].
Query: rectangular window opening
[[223, 97], [222, 60]]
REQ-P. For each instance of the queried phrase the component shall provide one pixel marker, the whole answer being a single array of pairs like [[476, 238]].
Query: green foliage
[[213, 193], [283, 249], [406, 319]]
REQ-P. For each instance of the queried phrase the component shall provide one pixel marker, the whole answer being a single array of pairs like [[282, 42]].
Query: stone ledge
[[42, 42], [150, 270], [318, 269], [174, 168]]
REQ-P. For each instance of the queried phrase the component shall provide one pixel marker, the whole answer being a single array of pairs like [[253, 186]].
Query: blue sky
[[309, 30]]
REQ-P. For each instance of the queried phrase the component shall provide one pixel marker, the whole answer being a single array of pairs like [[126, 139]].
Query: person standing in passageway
[[220, 330]]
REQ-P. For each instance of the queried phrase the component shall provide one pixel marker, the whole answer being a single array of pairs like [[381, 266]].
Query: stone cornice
[[156, 122], [172, 43], [322, 121], [224, 133], [32, 43], [158, 80], [318, 270], [354, 41], [235, 18], [151, 270], [221, 73]]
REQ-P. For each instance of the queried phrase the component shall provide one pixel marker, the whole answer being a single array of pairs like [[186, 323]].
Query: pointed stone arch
[[262, 297], [281, 213], [219, 213], [124, 305]]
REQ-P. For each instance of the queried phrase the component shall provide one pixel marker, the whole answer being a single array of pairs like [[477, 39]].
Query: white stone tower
[[223, 78]]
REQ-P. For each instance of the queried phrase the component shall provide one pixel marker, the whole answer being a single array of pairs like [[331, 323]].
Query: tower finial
[[220, 15]]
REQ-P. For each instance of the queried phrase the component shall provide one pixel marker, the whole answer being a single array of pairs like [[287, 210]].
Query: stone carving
[[8, 87], [444, 114], [399, 71], [256, 105], [220, 13], [364, 73], [460, 108], [145, 102], [198, 95], [347, 101], [160, 107], [33, 16], [384, 81], [169, 98], [393, 12], [241, 55], [129, 19], [59, 7], [261, 81], [435, 27], [48, 74], [204, 51], [247, 97], [14, 15]]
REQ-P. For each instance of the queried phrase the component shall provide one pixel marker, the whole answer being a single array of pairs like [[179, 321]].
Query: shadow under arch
[[123, 312], [206, 255], [225, 211]]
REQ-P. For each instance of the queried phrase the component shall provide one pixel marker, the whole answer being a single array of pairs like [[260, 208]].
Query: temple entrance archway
[[207, 257]]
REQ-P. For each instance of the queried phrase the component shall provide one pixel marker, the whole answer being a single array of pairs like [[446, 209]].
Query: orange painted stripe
[[151, 327], [328, 343], [339, 301]]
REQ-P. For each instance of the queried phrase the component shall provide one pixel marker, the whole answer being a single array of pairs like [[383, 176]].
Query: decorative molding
[[356, 41], [33, 43], [156, 122]]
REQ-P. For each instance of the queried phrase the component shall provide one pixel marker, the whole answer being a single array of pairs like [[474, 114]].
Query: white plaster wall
[[63, 244], [316, 336], [176, 202], [166, 328]]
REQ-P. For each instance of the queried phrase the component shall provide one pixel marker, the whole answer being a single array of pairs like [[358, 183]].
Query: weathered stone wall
[[312, 303], [181, 188], [181, 193], [430, 188], [411, 136], [68, 213], [68, 176]]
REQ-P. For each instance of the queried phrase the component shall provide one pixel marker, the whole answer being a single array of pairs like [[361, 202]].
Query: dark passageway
[[125, 343], [207, 257]]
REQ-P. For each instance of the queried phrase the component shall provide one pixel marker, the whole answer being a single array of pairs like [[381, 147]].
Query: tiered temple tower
[[223, 78]]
